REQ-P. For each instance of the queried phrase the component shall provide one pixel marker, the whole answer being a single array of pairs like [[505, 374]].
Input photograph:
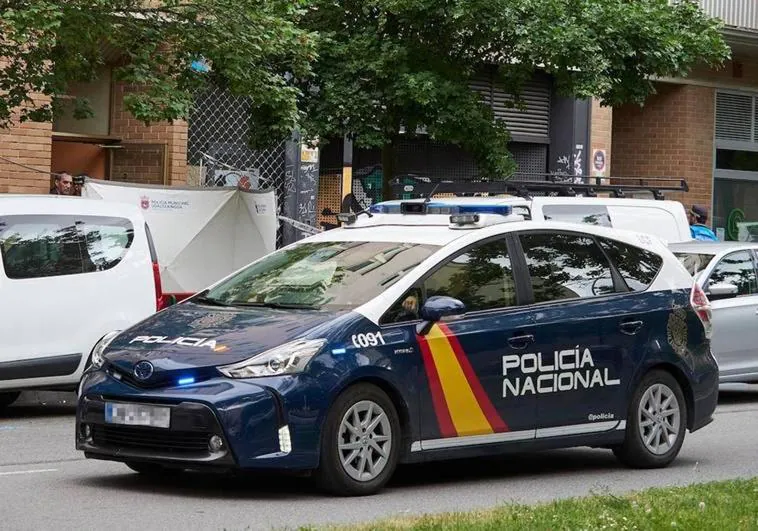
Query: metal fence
[[218, 153]]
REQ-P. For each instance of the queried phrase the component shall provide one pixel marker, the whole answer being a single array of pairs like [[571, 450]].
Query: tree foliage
[[387, 64], [253, 48]]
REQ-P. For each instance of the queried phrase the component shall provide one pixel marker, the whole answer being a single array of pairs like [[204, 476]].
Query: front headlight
[[289, 358], [97, 352]]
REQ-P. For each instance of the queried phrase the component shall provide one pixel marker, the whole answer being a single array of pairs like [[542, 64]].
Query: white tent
[[200, 234]]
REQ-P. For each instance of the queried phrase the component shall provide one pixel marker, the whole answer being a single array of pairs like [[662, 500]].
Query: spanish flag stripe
[[447, 429], [467, 415], [497, 423]]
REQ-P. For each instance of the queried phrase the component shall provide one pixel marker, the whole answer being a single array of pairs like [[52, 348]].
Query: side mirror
[[437, 308], [722, 290]]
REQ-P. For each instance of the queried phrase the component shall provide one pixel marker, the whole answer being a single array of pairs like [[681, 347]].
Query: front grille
[[163, 441]]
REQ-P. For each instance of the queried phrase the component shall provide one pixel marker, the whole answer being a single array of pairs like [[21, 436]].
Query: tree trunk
[[388, 169]]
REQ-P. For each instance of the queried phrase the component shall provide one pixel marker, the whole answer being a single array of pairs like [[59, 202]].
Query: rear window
[[46, 246], [589, 214], [695, 263], [638, 267]]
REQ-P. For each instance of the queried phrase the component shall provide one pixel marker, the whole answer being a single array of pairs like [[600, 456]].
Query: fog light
[[285, 442], [86, 431], [216, 444]]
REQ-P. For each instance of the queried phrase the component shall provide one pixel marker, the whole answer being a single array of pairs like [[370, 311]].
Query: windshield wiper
[[280, 305], [207, 300]]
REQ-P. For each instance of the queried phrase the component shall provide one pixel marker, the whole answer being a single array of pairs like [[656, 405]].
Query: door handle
[[521, 342], [630, 327]]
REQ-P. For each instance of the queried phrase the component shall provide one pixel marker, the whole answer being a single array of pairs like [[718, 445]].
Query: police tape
[[304, 227]]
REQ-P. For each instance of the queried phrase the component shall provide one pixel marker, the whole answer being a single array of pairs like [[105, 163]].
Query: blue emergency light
[[440, 207]]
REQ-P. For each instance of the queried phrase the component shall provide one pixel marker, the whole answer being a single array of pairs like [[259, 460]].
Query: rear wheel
[[360, 442], [656, 423], [6, 399]]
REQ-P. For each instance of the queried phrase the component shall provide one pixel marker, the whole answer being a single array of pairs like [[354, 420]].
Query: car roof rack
[[528, 185]]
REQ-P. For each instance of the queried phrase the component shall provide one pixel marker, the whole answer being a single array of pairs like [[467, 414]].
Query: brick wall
[[29, 144], [601, 128], [671, 136], [142, 159]]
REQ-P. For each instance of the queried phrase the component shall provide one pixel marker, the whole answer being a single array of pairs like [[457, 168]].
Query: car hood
[[191, 336]]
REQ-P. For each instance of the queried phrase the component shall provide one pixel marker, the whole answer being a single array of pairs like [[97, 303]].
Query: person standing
[[698, 216]]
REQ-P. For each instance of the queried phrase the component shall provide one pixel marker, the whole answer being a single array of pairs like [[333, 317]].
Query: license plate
[[137, 415]]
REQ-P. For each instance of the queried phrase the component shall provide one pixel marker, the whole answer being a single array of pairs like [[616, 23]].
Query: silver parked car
[[727, 273]]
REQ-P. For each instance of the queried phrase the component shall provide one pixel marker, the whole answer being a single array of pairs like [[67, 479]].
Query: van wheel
[[656, 423], [6, 399], [360, 442]]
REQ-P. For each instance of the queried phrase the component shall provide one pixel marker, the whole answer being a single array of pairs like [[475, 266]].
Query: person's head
[[78, 183], [64, 183], [698, 214]]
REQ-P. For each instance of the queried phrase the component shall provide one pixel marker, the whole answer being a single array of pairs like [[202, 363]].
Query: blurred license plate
[[137, 415]]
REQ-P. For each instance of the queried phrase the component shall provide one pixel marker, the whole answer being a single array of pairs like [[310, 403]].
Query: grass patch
[[722, 506]]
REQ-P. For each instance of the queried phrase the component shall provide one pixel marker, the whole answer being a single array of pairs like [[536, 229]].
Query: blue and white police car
[[419, 330]]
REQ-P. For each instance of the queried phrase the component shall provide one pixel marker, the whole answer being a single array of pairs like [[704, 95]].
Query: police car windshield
[[315, 275]]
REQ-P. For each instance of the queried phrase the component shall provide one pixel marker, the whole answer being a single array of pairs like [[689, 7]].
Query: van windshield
[[314, 275]]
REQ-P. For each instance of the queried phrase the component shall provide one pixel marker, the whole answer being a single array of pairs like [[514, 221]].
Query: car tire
[[656, 423], [6, 399], [152, 470], [361, 434]]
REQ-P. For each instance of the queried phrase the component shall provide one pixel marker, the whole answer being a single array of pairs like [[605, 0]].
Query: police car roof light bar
[[439, 206], [562, 185]]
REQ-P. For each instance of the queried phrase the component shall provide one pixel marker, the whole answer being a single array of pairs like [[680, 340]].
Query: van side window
[[637, 267], [106, 240], [565, 266], [38, 246], [590, 214]]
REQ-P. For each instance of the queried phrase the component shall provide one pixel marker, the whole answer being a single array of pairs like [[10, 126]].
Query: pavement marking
[[20, 472]]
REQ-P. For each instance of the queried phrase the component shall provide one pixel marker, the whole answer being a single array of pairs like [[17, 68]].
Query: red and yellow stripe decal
[[460, 402]]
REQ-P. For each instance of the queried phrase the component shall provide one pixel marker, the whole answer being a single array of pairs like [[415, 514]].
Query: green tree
[[252, 47], [387, 64]]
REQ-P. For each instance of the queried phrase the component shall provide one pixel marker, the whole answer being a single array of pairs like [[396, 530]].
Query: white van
[[662, 218], [71, 271]]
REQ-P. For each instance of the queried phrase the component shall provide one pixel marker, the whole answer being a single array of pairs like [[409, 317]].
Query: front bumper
[[251, 420]]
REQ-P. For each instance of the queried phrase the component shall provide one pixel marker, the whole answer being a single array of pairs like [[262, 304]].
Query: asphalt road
[[46, 484]]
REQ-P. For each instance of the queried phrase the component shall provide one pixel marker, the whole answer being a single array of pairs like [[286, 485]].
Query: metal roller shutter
[[531, 124], [735, 115]]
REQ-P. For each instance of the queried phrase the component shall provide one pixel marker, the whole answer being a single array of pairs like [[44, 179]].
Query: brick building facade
[[114, 146]]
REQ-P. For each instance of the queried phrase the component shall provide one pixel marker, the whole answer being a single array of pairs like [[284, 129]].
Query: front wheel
[[656, 425], [360, 442]]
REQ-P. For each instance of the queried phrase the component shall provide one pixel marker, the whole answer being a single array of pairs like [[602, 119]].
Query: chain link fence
[[218, 153]]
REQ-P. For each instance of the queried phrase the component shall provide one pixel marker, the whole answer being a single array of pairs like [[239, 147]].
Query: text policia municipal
[[564, 370]]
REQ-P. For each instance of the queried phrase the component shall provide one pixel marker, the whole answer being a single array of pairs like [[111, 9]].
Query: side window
[[482, 278], [40, 246], [49, 246], [590, 214], [565, 266], [638, 267], [106, 241], [736, 268]]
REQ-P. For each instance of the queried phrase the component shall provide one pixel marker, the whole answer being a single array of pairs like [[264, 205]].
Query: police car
[[418, 330]]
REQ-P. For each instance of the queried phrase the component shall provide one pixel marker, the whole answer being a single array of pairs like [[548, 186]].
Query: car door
[[735, 319], [462, 398], [582, 355]]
